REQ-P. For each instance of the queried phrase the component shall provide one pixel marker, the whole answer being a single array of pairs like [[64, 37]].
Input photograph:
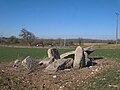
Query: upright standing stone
[[53, 53], [49, 53], [79, 58]]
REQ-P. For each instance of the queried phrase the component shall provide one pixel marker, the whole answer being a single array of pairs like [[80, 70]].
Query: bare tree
[[27, 36]]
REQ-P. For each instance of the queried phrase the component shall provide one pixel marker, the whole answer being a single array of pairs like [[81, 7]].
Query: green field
[[8, 53], [108, 53]]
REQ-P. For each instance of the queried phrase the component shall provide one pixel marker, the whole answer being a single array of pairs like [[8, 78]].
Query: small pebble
[[90, 66], [96, 70], [3, 71], [54, 76], [92, 73], [60, 87]]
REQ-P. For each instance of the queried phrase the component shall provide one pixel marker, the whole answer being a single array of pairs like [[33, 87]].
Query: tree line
[[29, 39]]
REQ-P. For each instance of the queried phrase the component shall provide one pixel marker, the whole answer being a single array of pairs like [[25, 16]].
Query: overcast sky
[[93, 19]]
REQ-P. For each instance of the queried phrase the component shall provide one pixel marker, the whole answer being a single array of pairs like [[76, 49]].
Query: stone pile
[[54, 62], [28, 63]]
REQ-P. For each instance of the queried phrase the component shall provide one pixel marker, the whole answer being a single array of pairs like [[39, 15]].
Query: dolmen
[[54, 62], [74, 59]]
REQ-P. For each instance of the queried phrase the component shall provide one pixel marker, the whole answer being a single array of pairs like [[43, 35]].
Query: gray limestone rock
[[69, 64], [59, 64], [28, 63], [89, 50], [46, 61], [79, 60], [70, 54], [53, 53], [88, 61]]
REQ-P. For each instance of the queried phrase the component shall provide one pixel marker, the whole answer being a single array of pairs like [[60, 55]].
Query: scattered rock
[[3, 71], [16, 63], [115, 86], [54, 76], [96, 70], [92, 72]]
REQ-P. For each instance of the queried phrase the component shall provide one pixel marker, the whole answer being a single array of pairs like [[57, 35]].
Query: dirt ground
[[69, 79]]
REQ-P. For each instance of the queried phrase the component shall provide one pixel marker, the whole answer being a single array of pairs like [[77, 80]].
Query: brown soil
[[19, 79]]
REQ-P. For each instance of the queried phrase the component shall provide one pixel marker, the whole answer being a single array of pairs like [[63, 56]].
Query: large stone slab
[[53, 53], [68, 55], [69, 64], [46, 61], [59, 64], [89, 50], [79, 60]]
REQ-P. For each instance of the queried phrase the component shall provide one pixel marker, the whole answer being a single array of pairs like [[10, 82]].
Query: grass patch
[[106, 80], [108, 53], [9, 53]]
